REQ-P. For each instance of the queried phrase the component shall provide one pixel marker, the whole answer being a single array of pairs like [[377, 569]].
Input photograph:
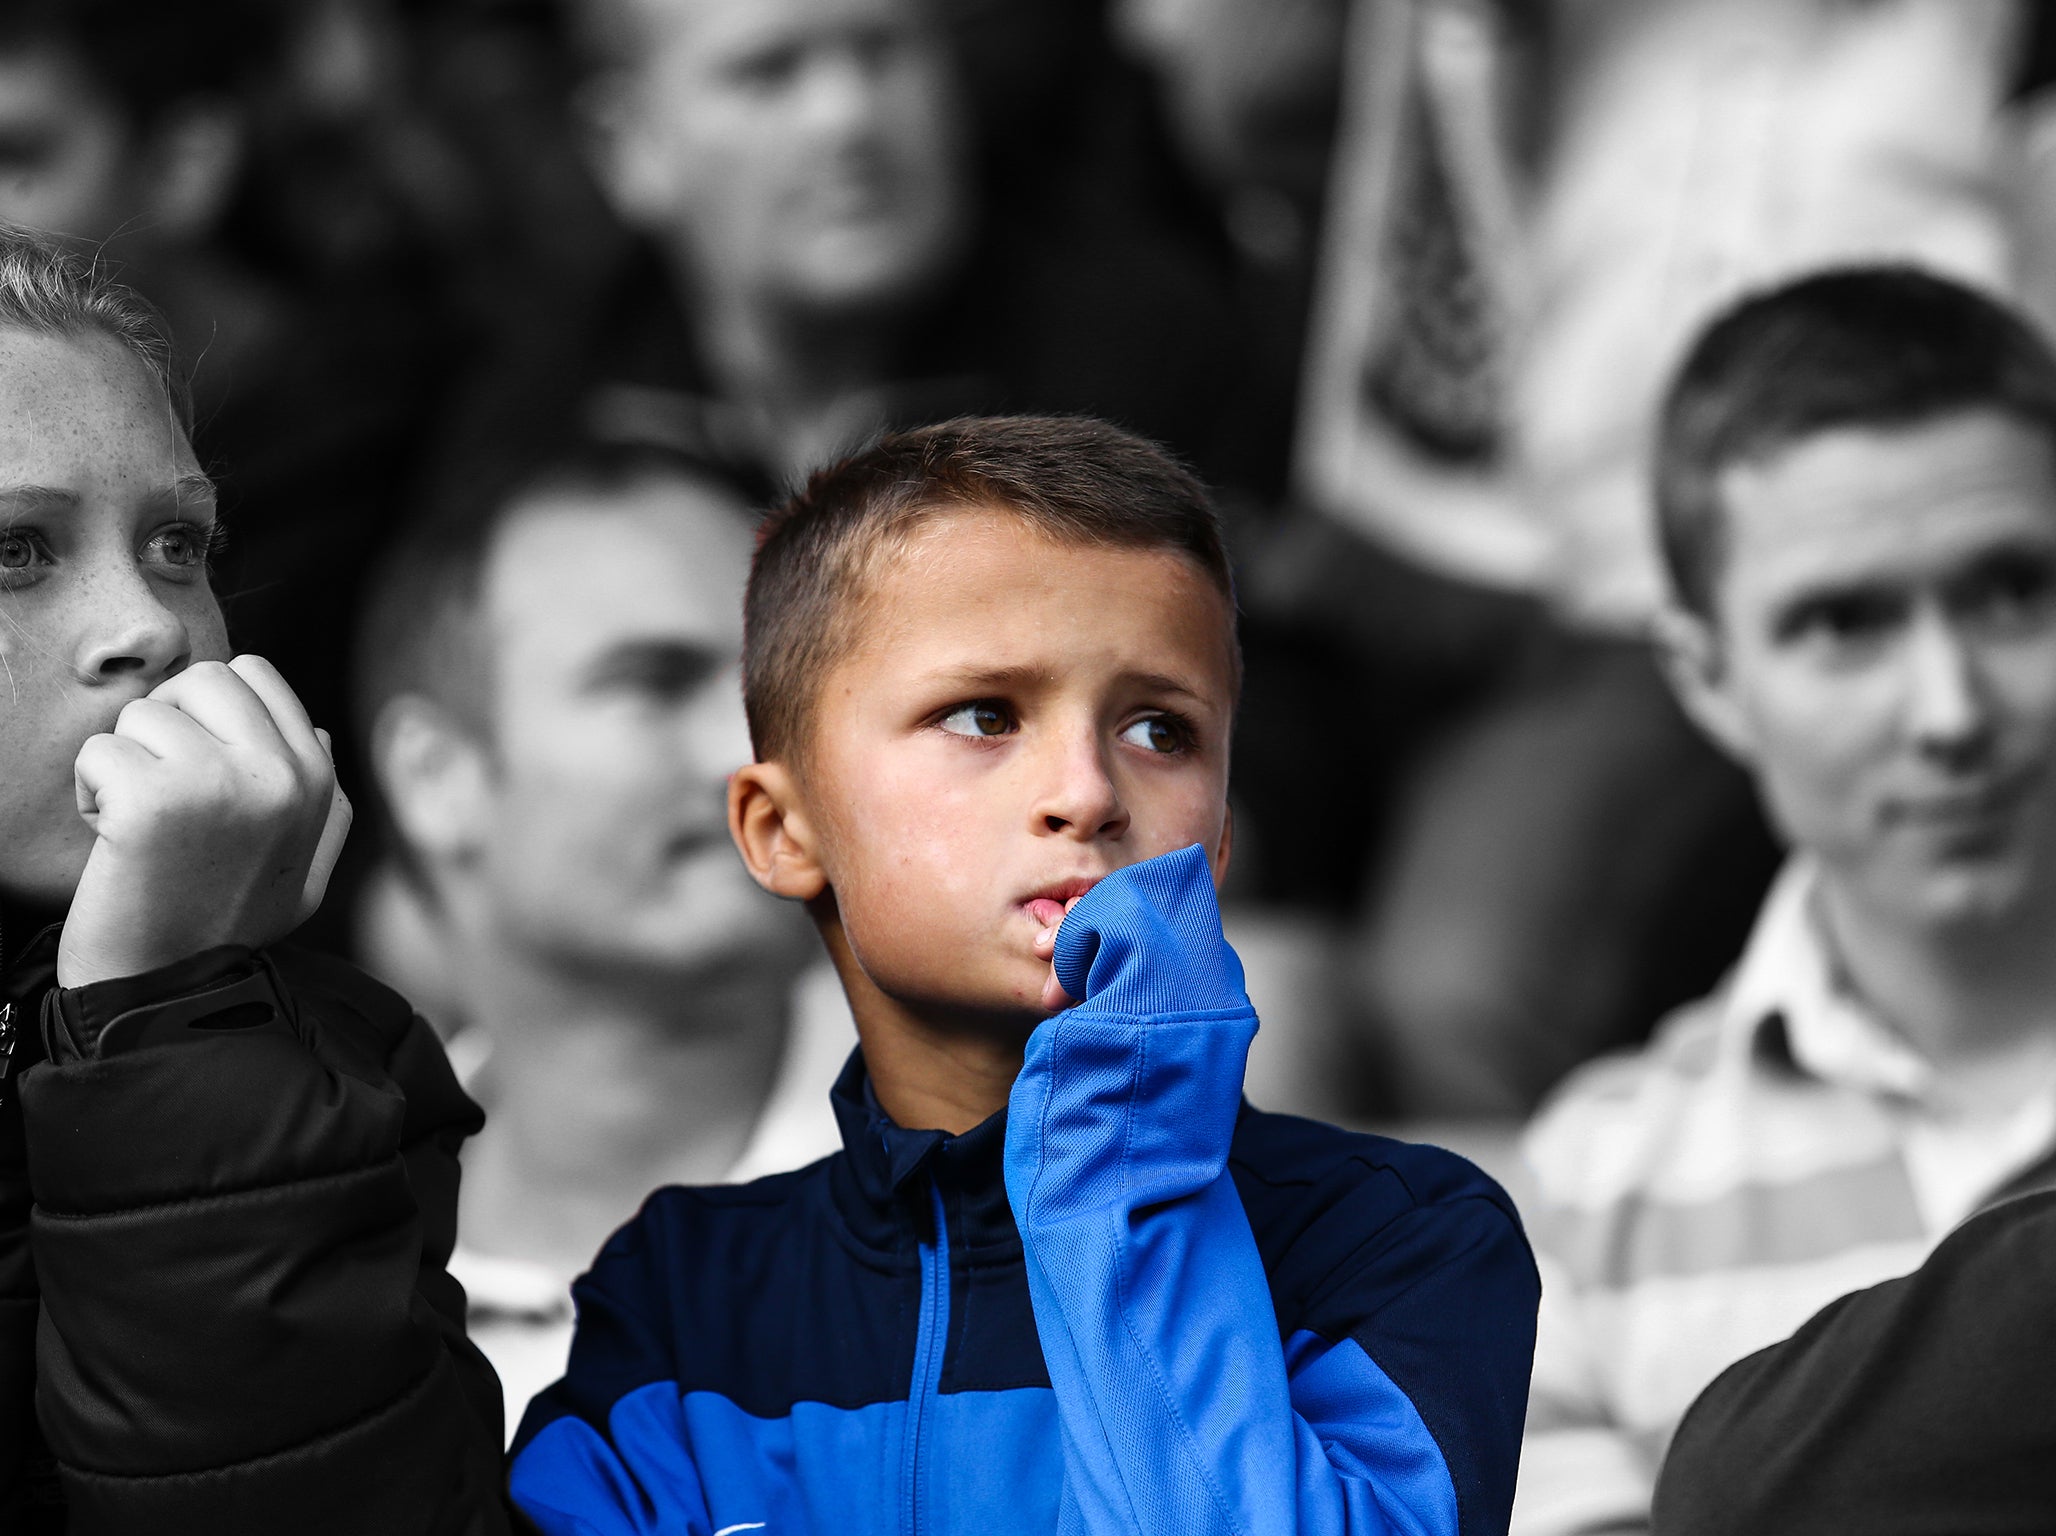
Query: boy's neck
[[929, 1074], [931, 1079], [598, 1095]]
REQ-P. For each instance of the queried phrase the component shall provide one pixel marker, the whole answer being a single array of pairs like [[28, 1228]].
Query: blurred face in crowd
[[809, 151], [105, 521], [67, 155], [614, 626], [1884, 656]]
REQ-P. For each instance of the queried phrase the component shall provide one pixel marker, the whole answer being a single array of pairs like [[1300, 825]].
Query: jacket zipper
[[929, 1340]]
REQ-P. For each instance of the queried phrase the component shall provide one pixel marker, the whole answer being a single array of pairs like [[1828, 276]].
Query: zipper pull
[[8, 1035]]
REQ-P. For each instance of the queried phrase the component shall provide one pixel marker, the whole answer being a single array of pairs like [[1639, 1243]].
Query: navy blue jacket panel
[[1207, 1318]]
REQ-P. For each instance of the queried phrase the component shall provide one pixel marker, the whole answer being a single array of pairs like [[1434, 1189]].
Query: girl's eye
[[21, 550], [1157, 733], [986, 717], [182, 544]]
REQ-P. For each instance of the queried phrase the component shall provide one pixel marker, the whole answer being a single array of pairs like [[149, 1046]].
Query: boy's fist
[[218, 820], [1146, 939]]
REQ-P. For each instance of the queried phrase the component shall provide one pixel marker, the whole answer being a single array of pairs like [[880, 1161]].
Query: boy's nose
[[1082, 798]]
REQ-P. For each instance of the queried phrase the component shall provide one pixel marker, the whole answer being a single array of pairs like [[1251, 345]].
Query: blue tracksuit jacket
[[1206, 1319]]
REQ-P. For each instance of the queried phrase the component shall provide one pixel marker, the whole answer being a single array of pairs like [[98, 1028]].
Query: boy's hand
[[1146, 939], [218, 819], [1054, 998]]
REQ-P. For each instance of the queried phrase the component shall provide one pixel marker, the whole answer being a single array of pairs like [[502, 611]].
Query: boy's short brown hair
[[1075, 480]]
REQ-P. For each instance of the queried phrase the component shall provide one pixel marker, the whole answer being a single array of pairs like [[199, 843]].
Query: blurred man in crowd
[[1857, 497], [826, 258], [549, 677], [1538, 204]]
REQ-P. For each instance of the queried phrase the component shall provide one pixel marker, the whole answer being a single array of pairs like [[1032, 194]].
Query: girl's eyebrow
[[192, 488], [193, 492], [36, 500], [190, 492]]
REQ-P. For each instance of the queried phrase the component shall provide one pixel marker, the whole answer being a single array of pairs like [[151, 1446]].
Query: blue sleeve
[[1182, 1408], [605, 1452]]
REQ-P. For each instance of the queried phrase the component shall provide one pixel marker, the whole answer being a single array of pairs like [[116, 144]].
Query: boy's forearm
[[1149, 1296], [1183, 1404]]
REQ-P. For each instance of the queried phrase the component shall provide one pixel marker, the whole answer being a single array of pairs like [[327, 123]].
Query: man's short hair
[[1073, 479], [418, 632], [1877, 346], [149, 56], [49, 288]]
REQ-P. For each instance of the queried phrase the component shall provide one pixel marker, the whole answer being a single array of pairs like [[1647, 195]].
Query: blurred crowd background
[[1403, 278]]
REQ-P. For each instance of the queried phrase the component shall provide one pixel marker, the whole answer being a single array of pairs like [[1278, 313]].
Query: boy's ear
[[1695, 661], [769, 822], [434, 778]]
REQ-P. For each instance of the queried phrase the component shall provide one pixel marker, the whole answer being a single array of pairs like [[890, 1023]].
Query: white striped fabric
[[1698, 1200]]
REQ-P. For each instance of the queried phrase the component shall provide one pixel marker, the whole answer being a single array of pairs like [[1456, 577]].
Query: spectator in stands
[[1857, 500], [825, 259], [549, 679], [1539, 205]]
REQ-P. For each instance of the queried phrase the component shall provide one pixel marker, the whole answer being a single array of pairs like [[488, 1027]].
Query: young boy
[[1060, 1276], [227, 1174]]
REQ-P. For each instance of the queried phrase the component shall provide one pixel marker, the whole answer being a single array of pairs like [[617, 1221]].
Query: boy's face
[[1884, 657], [1018, 718], [105, 521], [614, 622], [68, 162], [810, 149]]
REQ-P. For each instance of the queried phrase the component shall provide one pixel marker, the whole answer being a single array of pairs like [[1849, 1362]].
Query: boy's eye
[[1157, 733], [986, 717]]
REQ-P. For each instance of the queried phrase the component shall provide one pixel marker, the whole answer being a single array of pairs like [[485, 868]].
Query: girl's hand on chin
[[217, 820]]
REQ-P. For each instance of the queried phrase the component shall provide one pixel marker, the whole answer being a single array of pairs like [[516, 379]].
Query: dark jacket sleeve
[[245, 1180], [1920, 1405]]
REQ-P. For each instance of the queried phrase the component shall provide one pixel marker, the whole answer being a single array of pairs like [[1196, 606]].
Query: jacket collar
[[1790, 1003], [893, 1170]]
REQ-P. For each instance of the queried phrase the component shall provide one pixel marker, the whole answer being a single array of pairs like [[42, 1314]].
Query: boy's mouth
[[1049, 905]]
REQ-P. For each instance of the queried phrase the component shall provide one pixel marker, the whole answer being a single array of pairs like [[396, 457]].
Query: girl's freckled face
[[105, 523]]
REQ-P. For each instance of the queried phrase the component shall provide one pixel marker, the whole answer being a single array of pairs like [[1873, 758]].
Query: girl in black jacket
[[227, 1175]]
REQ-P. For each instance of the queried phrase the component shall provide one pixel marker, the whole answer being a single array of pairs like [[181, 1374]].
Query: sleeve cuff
[[225, 987]]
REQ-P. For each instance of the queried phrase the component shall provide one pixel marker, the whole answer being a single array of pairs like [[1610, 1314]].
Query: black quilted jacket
[[228, 1190]]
